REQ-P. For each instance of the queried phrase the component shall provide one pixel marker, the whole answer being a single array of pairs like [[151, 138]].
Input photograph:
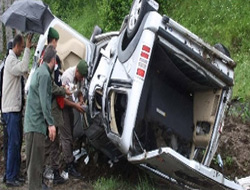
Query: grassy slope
[[85, 18]]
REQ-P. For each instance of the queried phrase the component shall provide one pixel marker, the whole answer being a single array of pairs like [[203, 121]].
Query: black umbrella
[[28, 16]]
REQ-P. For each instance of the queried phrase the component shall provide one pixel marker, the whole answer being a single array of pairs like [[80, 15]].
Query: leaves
[[113, 12]]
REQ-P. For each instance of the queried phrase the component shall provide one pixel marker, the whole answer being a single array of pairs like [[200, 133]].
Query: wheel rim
[[134, 14]]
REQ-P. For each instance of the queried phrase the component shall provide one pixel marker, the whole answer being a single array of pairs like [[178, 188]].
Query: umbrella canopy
[[28, 16]]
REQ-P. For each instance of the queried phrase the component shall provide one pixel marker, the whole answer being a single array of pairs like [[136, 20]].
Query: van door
[[167, 163]]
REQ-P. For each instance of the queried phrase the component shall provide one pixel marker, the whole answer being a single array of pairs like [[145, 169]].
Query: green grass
[[120, 184], [85, 19], [110, 183], [242, 76], [144, 184]]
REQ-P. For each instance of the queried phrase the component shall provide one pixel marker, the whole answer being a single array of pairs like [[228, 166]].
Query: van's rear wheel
[[136, 14], [138, 10]]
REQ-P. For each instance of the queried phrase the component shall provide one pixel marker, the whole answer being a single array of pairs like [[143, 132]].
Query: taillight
[[140, 72], [143, 61], [144, 55], [146, 48]]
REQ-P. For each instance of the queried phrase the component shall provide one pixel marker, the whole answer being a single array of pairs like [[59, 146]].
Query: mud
[[234, 148]]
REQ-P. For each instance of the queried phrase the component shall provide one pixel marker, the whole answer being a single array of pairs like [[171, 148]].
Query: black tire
[[134, 23]]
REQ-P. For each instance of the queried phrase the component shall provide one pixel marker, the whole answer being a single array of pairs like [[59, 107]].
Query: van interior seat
[[69, 48]]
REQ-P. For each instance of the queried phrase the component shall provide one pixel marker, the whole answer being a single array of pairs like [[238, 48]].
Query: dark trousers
[[5, 147], [66, 134], [13, 153], [52, 152], [35, 146]]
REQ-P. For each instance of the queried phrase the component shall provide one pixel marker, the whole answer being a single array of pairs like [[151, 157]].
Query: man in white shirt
[[12, 104]]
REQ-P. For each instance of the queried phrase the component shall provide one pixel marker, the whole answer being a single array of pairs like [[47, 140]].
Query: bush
[[112, 13], [63, 9]]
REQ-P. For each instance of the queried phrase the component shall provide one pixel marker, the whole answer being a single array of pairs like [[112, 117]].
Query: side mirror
[[97, 30]]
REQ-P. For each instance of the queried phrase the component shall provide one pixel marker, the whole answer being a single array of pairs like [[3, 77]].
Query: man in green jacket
[[38, 119]]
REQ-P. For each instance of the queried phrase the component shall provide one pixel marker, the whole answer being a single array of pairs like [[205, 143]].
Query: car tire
[[137, 12]]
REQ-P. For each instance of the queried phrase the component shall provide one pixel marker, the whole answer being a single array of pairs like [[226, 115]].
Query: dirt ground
[[234, 150]]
